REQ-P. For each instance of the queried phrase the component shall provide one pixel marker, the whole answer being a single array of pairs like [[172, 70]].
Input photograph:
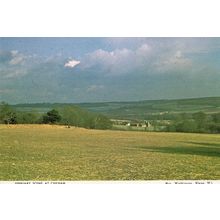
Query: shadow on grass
[[210, 150], [203, 144]]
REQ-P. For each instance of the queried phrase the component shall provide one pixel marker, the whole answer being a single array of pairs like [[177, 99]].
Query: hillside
[[137, 109]]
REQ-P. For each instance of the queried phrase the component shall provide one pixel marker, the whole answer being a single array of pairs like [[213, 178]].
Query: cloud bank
[[111, 69]]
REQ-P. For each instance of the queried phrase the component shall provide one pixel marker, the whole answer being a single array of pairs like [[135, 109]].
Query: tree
[[186, 126], [200, 117], [216, 117], [201, 121], [102, 122], [214, 127], [76, 116], [51, 117], [7, 114], [27, 118]]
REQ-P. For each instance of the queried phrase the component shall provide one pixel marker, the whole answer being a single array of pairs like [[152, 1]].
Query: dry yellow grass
[[46, 152]]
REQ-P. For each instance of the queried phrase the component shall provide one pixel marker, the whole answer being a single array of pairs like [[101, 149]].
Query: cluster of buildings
[[132, 123]]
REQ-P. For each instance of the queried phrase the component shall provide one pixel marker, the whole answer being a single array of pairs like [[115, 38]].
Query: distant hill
[[136, 109]]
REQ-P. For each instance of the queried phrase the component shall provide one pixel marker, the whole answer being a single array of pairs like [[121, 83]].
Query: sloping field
[[45, 152]]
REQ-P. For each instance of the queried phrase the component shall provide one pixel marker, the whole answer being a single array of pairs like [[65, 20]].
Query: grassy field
[[45, 152]]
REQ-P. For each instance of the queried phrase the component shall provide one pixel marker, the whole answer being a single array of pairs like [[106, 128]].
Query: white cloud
[[14, 52], [118, 61], [179, 60], [5, 91], [11, 73], [94, 88], [143, 49], [14, 64], [178, 54], [71, 63], [107, 57], [173, 62], [16, 60], [144, 59], [116, 56]]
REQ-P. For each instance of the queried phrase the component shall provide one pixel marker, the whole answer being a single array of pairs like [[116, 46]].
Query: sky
[[73, 70]]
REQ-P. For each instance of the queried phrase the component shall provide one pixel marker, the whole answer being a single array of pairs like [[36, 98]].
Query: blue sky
[[108, 69]]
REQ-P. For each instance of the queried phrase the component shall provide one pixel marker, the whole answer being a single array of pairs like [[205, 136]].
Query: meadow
[[52, 152]]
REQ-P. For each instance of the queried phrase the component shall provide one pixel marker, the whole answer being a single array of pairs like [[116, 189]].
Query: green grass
[[44, 152]]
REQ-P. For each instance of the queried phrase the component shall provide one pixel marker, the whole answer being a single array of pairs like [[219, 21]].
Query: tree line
[[67, 115], [198, 122], [70, 115]]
